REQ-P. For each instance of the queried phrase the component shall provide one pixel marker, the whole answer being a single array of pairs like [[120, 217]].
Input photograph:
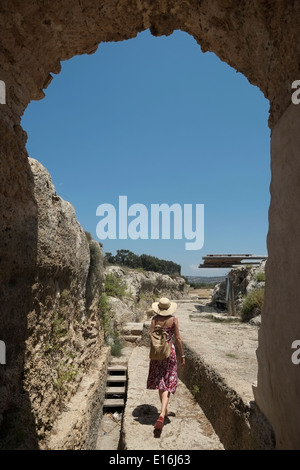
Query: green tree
[[147, 262]]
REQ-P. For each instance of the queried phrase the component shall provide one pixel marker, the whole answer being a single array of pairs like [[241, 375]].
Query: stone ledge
[[239, 425], [133, 329], [77, 427]]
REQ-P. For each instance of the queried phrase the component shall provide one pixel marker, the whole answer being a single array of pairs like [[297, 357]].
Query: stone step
[[116, 368], [115, 390], [133, 329], [116, 378], [113, 402], [132, 338], [214, 316]]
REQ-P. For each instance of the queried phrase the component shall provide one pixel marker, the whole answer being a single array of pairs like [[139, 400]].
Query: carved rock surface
[[61, 334], [258, 39]]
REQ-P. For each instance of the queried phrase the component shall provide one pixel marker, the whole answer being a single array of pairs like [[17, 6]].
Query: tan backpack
[[159, 349]]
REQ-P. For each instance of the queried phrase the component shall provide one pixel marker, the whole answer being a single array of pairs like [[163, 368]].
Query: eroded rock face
[[61, 331], [141, 289], [62, 246], [149, 282], [259, 39]]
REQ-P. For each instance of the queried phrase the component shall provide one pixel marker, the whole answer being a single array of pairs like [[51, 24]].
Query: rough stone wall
[[257, 38], [78, 425], [239, 425], [61, 334], [253, 37], [278, 377]]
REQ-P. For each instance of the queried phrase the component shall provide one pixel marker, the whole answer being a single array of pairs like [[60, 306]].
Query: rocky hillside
[[131, 292]]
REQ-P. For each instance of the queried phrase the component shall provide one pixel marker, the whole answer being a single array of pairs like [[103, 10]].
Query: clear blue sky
[[157, 120]]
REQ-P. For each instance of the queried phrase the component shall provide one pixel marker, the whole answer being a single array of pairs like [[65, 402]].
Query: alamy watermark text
[[296, 94], [296, 354], [2, 92], [159, 226], [2, 353]]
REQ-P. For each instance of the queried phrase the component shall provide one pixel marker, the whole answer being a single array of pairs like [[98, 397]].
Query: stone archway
[[253, 37]]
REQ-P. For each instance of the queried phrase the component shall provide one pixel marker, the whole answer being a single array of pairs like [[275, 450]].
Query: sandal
[[159, 423]]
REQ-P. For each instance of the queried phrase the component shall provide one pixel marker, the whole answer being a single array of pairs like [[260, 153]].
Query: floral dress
[[163, 374]]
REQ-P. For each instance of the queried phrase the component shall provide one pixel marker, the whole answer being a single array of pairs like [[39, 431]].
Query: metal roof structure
[[231, 260]]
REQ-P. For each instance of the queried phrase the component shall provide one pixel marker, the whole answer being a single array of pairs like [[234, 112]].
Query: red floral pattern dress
[[163, 374]]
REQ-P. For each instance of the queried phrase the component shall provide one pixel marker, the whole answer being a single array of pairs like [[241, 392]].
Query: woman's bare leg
[[164, 399]]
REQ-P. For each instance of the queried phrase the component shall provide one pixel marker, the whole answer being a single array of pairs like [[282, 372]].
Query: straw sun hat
[[164, 307]]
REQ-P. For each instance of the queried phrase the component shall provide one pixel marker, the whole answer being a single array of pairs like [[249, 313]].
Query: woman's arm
[[152, 325], [179, 342]]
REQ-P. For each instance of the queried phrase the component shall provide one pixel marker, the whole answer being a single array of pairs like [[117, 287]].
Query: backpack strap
[[166, 322], [155, 322]]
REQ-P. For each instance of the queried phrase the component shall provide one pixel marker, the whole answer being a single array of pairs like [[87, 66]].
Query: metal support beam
[[230, 260]]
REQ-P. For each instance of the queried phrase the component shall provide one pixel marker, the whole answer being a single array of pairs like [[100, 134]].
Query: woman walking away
[[162, 374]]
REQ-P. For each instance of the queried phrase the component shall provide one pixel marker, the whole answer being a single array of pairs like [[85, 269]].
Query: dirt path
[[229, 349], [186, 427]]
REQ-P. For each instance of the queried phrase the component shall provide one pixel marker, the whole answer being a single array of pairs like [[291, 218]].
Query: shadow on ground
[[148, 414]]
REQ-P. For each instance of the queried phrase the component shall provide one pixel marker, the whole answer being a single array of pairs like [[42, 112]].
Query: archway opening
[[160, 122], [252, 38]]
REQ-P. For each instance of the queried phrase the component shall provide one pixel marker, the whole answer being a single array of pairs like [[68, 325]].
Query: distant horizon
[[201, 276]]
